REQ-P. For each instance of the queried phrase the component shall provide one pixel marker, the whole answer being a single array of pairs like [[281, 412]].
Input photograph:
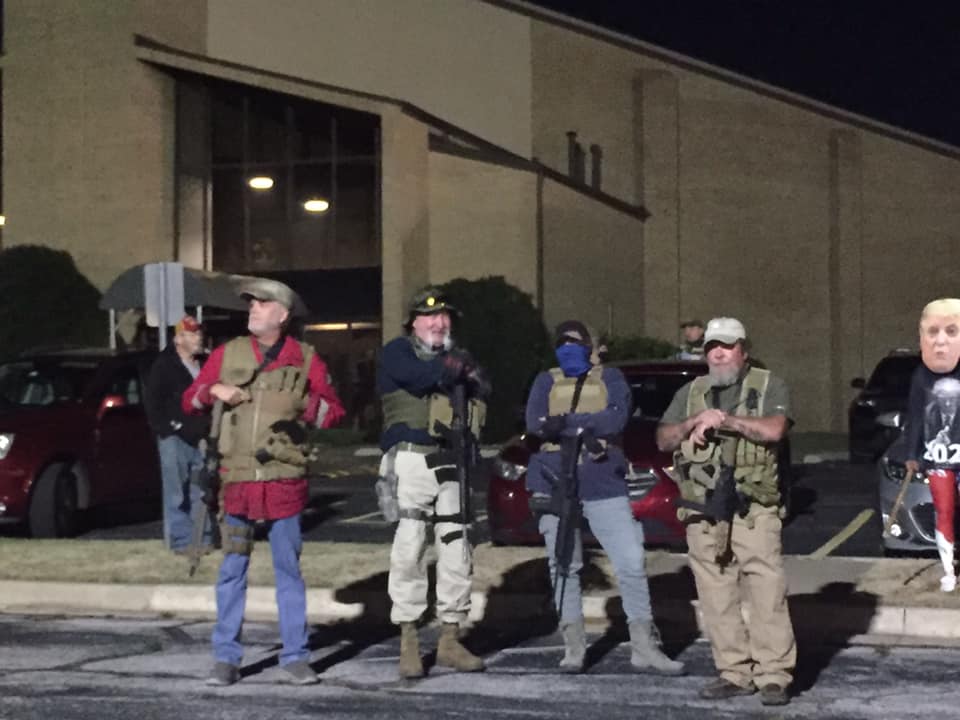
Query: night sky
[[898, 62]]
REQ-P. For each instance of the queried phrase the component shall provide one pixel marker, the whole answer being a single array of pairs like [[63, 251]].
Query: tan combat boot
[[645, 653], [451, 653], [411, 664]]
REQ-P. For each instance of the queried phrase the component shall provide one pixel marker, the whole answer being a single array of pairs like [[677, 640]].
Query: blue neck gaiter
[[574, 359]]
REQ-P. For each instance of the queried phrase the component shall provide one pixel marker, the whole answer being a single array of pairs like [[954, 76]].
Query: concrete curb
[[819, 617]]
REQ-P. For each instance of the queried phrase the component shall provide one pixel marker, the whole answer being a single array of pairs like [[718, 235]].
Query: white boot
[[948, 582]]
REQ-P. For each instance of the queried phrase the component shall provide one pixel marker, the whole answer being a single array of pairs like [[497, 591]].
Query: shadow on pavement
[[821, 635], [517, 611], [670, 598]]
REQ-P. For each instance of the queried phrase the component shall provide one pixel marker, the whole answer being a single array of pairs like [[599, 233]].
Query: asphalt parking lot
[[834, 511]]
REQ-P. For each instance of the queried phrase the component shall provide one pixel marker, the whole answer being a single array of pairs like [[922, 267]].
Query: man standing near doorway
[[271, 387]]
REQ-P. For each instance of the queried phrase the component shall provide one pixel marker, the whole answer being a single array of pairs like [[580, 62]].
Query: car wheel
[[54, 505]]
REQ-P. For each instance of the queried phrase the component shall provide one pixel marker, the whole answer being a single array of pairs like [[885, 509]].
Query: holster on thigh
[[237, 539]]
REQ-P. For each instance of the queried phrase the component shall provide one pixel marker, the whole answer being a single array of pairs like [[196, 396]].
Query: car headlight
[[6, 442], [508, 470]]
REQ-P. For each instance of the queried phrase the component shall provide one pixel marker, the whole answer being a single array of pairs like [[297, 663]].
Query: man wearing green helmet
[[416, 379]]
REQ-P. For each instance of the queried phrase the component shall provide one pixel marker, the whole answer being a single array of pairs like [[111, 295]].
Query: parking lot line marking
[[361, 518], [841, 537]]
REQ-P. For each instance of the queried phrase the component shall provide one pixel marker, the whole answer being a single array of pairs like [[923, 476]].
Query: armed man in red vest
[[271, 387]]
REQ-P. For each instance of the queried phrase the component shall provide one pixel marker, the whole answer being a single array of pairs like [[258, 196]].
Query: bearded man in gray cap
[[724, 429], [270, 387]]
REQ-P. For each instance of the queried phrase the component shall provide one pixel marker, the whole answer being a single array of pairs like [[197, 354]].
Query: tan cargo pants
[[418, 490], [766, 651]]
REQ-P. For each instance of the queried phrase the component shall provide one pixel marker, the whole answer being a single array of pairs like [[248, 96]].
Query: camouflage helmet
[[429, 300]]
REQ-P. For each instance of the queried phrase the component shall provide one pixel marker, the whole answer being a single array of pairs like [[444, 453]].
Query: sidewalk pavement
[[823, 596]]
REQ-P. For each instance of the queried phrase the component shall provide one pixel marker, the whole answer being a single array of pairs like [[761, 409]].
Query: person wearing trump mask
[[932, 425]]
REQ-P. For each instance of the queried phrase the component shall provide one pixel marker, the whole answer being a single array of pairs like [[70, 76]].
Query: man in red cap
[[178, 434]]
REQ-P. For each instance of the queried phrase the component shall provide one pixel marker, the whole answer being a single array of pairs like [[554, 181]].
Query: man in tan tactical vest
[[571, 475], [415, 379], [733, 419], [270, 387]]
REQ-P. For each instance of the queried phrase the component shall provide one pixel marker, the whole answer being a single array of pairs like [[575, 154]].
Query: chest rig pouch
[[252, 449], [755, 464], [564, 399]]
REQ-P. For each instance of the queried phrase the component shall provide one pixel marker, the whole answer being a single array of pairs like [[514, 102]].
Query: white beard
[[723, 378]]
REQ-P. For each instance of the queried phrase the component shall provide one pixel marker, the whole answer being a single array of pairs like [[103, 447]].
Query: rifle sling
[[269, 355], [577, 389]]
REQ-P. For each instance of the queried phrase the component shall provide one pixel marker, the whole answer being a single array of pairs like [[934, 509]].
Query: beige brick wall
[[483, 221], [88, 131], [592, 262], [406, 215], [464, 61], [817, 231]]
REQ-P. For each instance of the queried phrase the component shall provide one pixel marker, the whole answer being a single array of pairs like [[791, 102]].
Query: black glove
[[553, 426], [455, 367], [480, 387], [594, 447], [292, 429]]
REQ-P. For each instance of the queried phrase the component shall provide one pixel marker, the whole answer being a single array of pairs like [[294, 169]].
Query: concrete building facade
[[607, 178]]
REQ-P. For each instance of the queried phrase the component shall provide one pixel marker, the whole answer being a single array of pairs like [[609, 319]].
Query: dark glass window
[[294, 183]]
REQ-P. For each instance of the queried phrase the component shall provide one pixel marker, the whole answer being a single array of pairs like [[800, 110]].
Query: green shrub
[[638, 347], [46, 301], [503, 329]]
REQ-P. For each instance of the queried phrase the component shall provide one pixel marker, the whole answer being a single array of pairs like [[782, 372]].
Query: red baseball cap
[[188, 323]]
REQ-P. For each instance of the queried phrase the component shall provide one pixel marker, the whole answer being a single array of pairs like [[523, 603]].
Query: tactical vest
[[423, 413], [593, 396], [755, 464], [278, 394]]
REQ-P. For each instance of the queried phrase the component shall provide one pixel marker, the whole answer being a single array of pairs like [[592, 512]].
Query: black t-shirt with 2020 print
[[933, 419]]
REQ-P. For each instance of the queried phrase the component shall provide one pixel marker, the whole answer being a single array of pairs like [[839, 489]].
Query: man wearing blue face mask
[[581, 400]]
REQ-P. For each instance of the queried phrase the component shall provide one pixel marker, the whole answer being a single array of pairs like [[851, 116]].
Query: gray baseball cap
[[268, 289], [725, 330]]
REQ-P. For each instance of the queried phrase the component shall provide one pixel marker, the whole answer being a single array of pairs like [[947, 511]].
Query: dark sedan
[[874, 416], [73, 435], [652, 493]]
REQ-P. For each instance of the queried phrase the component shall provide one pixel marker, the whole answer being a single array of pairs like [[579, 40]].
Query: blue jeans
[[178, 459], [285, 545], [621, 537]]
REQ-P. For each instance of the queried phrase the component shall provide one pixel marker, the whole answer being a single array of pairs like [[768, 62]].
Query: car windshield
[[892, 375], [652, 393], [44, 381]]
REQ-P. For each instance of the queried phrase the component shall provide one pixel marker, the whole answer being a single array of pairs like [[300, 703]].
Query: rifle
[[463, 445], [566, 502], [722, 502], [207, 478]]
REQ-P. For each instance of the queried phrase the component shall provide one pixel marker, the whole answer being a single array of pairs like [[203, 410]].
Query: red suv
[[73, 435], [652, 493]]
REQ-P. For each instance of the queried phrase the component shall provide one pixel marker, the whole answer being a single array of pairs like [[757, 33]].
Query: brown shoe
[[411, 664], [721, 689], [451, 653], [773, 694]]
